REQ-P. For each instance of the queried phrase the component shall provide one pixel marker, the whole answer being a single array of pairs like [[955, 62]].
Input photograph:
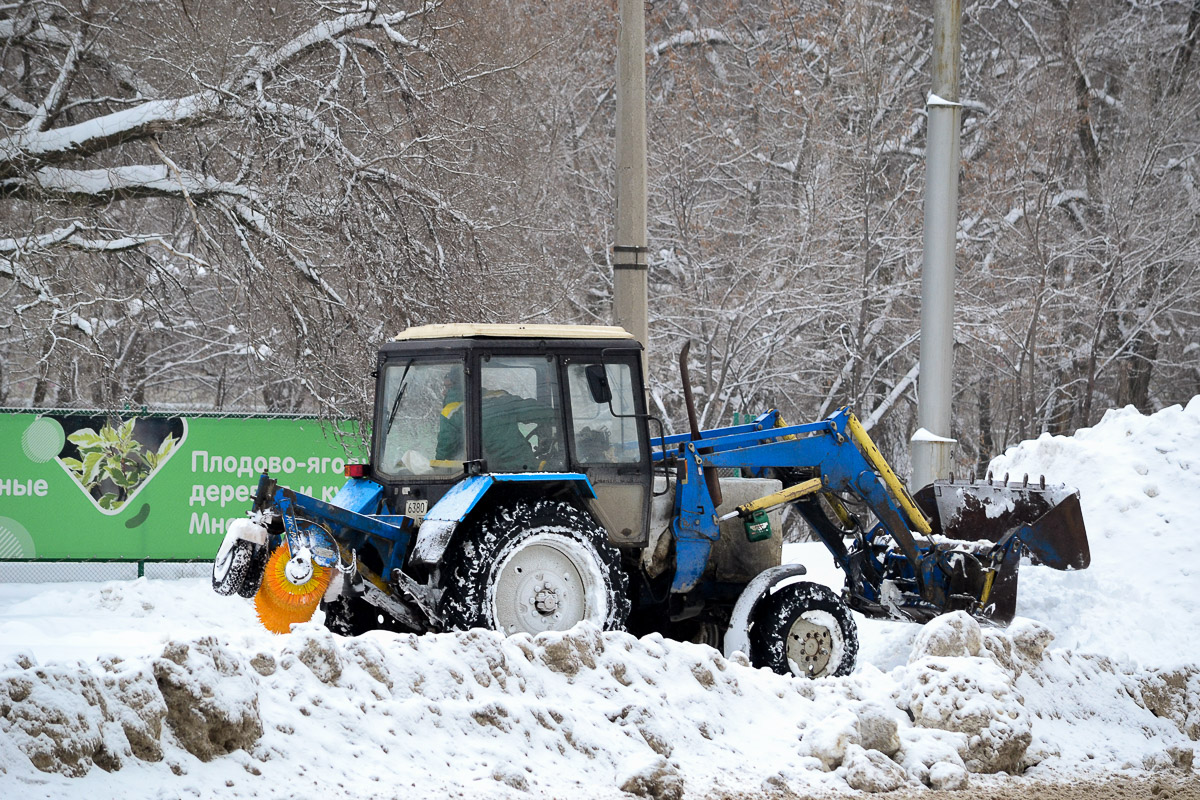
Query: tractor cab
[[454, 401]]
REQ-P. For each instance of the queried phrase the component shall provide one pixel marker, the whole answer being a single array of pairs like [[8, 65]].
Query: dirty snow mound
[[211, 697], [543, 715], [562, 713]]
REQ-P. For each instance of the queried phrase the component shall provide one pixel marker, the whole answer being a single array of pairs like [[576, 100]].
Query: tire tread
[[240, 556], [775, 614], [469, 559]]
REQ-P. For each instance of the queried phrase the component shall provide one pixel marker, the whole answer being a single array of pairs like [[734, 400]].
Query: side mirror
[[597, 380]]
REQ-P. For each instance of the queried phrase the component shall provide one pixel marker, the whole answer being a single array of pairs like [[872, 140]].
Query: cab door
[[608, 439]]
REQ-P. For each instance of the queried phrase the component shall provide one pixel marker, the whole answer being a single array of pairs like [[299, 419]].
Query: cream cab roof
[[465, 330]]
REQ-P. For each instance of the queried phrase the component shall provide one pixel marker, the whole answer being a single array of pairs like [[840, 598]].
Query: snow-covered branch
[[119, 183], [886, 404], [40, 119], [34, 145], [72, 237], [27, 149], [693, 38]]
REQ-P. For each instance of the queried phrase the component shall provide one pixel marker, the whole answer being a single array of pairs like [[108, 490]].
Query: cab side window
[[602, 423], [520, 415]]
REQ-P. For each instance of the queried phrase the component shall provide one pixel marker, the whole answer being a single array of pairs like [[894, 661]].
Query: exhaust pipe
[[711, 480]]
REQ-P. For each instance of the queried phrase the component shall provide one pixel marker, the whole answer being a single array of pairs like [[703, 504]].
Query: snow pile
[[549, 714], [582, 711], [66, 719], [954, 684], [211, 698], [1139, 485]]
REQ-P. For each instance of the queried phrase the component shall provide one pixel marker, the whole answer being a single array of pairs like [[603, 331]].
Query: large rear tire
[[804, 630], [535, 566]]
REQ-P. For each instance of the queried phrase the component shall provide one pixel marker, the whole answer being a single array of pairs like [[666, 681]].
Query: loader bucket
[[1047, 519]]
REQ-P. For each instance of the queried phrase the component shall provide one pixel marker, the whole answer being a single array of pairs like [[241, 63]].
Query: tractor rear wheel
[[805, 630], [534, 566]]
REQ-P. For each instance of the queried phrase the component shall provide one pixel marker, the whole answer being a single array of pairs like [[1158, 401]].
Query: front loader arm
[[694, 524], [909, 565], [837, 449]]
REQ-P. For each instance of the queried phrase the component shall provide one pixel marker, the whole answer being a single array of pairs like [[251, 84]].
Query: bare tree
[[1082, 213], [230, 206], [224, 204]]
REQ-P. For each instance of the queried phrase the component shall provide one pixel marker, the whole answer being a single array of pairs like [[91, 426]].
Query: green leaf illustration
[[91, 465], [112, 463], [84, 437]]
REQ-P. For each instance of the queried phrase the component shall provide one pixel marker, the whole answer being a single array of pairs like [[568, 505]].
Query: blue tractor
[[514, 484]]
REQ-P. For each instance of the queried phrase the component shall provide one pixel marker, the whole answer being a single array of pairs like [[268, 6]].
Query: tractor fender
[[737, 637], [359, 495], [441, 521]]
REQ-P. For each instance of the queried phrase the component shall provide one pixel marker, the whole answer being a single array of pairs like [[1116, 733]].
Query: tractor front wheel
[[805, 630], [254, 571], [534, 566], [351, 616]]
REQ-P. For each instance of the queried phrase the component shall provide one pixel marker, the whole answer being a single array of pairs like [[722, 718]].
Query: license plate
[[416, 508]]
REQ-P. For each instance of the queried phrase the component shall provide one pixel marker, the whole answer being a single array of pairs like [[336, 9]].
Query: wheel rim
[[814, 644], [547, 582]]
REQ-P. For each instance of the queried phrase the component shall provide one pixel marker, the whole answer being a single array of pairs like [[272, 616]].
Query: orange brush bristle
[[279, 602]]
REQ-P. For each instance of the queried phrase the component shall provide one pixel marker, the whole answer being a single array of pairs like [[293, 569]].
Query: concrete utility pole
[[629, 247], [931, 445]]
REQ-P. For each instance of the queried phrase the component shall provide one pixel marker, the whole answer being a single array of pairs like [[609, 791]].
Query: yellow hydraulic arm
[[875, 458], [776, 499]]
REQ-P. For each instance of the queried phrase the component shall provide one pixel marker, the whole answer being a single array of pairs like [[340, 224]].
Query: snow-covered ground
[[163, 689]]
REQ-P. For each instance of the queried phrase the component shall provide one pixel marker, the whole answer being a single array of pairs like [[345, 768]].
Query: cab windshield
[[422, 424]]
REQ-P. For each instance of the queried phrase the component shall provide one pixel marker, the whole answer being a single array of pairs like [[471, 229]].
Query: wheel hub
[[299, 569], [542, 586], [809, 647], [546, 600]]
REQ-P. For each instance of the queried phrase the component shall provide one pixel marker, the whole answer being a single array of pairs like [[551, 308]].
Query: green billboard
[[143, 487]]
